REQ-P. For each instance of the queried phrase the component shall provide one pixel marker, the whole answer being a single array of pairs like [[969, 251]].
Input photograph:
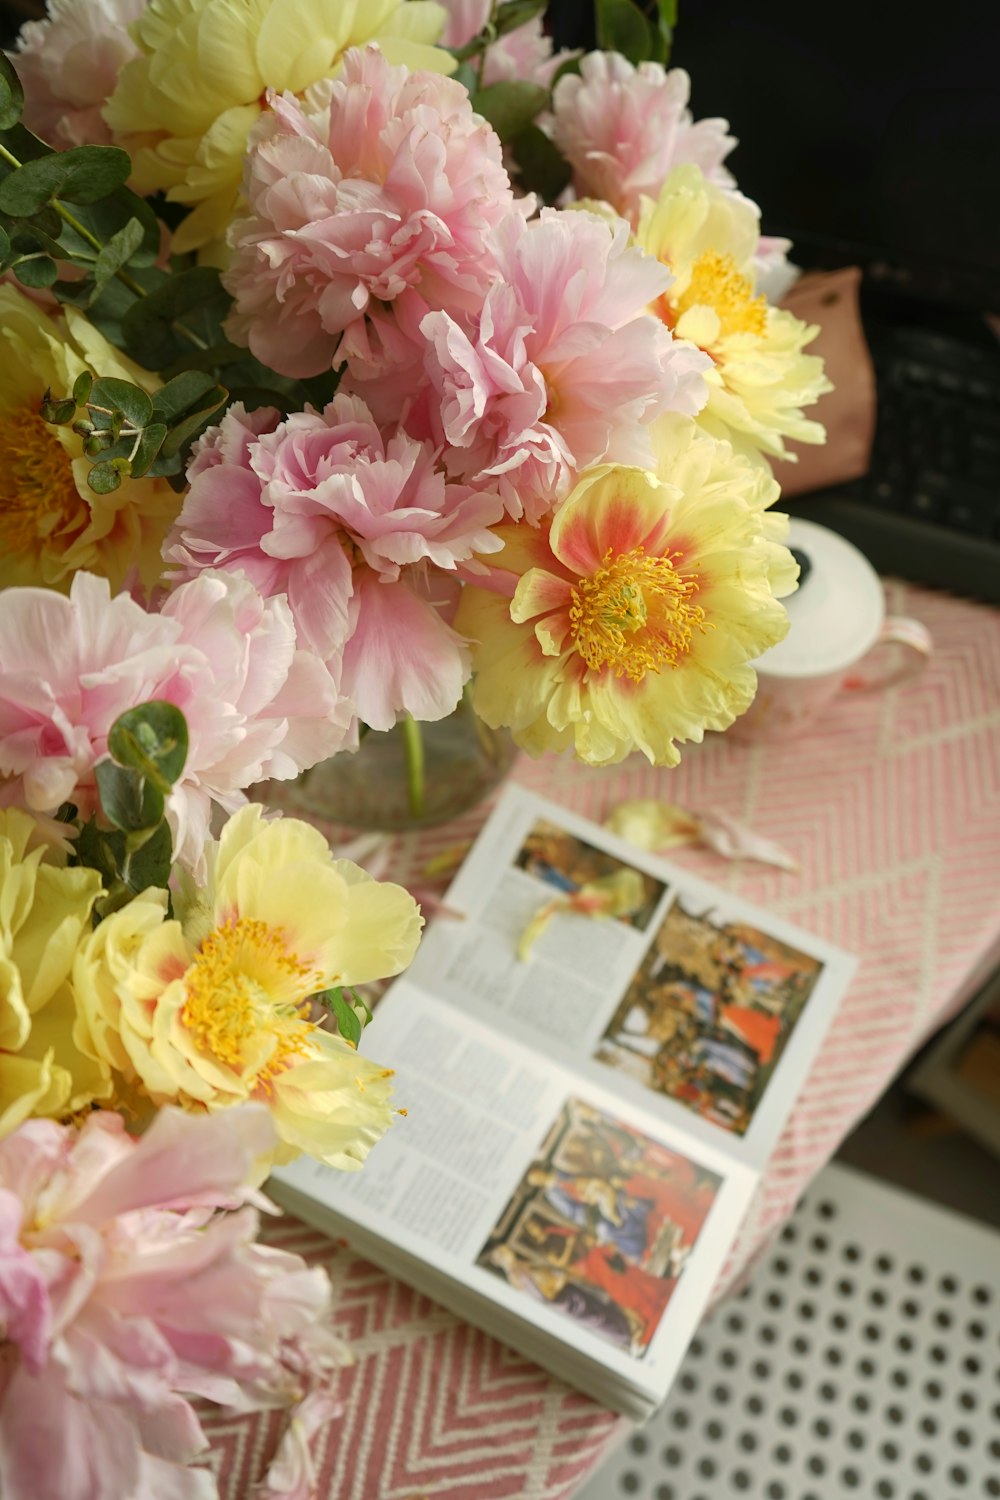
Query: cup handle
[[916, 645]]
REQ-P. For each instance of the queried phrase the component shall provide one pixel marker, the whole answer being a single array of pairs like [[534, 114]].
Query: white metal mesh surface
[[862, 1361]]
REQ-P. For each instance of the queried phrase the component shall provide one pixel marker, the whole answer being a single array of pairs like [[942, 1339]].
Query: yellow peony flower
[[760, 378], [52, 524], [185, 108], [638, 605], [44, 909], [212, 1008]]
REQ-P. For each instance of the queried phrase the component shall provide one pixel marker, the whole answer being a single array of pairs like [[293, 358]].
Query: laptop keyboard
[[929, 507]]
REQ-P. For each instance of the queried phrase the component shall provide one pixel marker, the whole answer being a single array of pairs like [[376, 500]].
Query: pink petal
[[25, 1309], [181, 1160], [402, 657]]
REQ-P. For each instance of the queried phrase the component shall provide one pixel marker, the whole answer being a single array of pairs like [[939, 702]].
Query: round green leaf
[[622, 27], [153, 740], [123, 396], [39, 271], [150, 864], [103, 478], [83, 175], [128, 801], [510, 107], [11, 94], [149, 446]]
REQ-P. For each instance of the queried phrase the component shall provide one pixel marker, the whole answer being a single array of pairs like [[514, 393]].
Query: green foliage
[[81, 175], [57, 412], [666, 22], [128, 801], [11, 94], [116, 254], [185, 405], [351, 1014], [149, 862], [129, 433], [129, 842], [157, 329], [150, 443], [111, 397], [36, 270], [543, 168], [152, 740], [510, 107], [104, 478], [622, 27]]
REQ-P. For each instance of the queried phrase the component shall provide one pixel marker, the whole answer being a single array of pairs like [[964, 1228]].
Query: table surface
[[892, 808]]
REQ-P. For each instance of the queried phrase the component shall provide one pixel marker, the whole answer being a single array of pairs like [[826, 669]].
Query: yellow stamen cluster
[[634, 614], [38, 495], [716, 282], [243, 985]]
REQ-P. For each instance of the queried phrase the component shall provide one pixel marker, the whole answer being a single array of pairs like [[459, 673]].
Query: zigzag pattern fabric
[[892, 808]]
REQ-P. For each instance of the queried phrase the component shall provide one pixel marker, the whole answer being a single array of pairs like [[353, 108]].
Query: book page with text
[[545, 1196], [687, 999]]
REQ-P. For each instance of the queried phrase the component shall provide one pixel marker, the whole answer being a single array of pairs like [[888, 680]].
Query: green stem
[[413, 744]]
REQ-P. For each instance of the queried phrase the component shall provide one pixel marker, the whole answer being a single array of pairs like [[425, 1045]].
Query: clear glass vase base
[[463, 760]]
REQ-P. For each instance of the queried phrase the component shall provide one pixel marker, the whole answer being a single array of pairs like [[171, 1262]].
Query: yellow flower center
[[245, 988], [38, 494], [717, 283], [635, 614]]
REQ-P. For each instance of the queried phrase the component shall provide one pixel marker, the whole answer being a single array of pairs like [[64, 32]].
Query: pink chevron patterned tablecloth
[[892, 809]]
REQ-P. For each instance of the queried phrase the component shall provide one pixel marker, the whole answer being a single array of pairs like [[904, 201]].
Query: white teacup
[[840, 639]]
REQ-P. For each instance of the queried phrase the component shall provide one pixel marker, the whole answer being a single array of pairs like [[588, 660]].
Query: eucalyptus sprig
[[129, 433], [128, 842], [70, 224]]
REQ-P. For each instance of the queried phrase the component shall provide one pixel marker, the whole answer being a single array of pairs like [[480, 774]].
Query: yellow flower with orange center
[[214, 1006], [185, 107], [760, 378], [635, 610], [634, 614], [52, 524]]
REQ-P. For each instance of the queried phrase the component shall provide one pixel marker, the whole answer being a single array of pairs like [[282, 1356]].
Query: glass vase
[[411, 776]]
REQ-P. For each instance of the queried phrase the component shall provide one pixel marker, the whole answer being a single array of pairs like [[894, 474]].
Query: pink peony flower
[[391, 185], [256, 705], [524, 55], [123, 1293], [355, 528], [69, 65], [465, 19], [623, 129], [563, 367]]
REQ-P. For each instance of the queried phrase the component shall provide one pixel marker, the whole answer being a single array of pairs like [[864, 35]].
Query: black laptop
[[870, 135]]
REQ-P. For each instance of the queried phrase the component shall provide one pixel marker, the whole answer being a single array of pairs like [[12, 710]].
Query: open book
[[586, 1123]]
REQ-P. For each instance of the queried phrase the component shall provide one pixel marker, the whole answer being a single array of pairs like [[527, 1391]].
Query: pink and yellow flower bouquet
[[355, 359]]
